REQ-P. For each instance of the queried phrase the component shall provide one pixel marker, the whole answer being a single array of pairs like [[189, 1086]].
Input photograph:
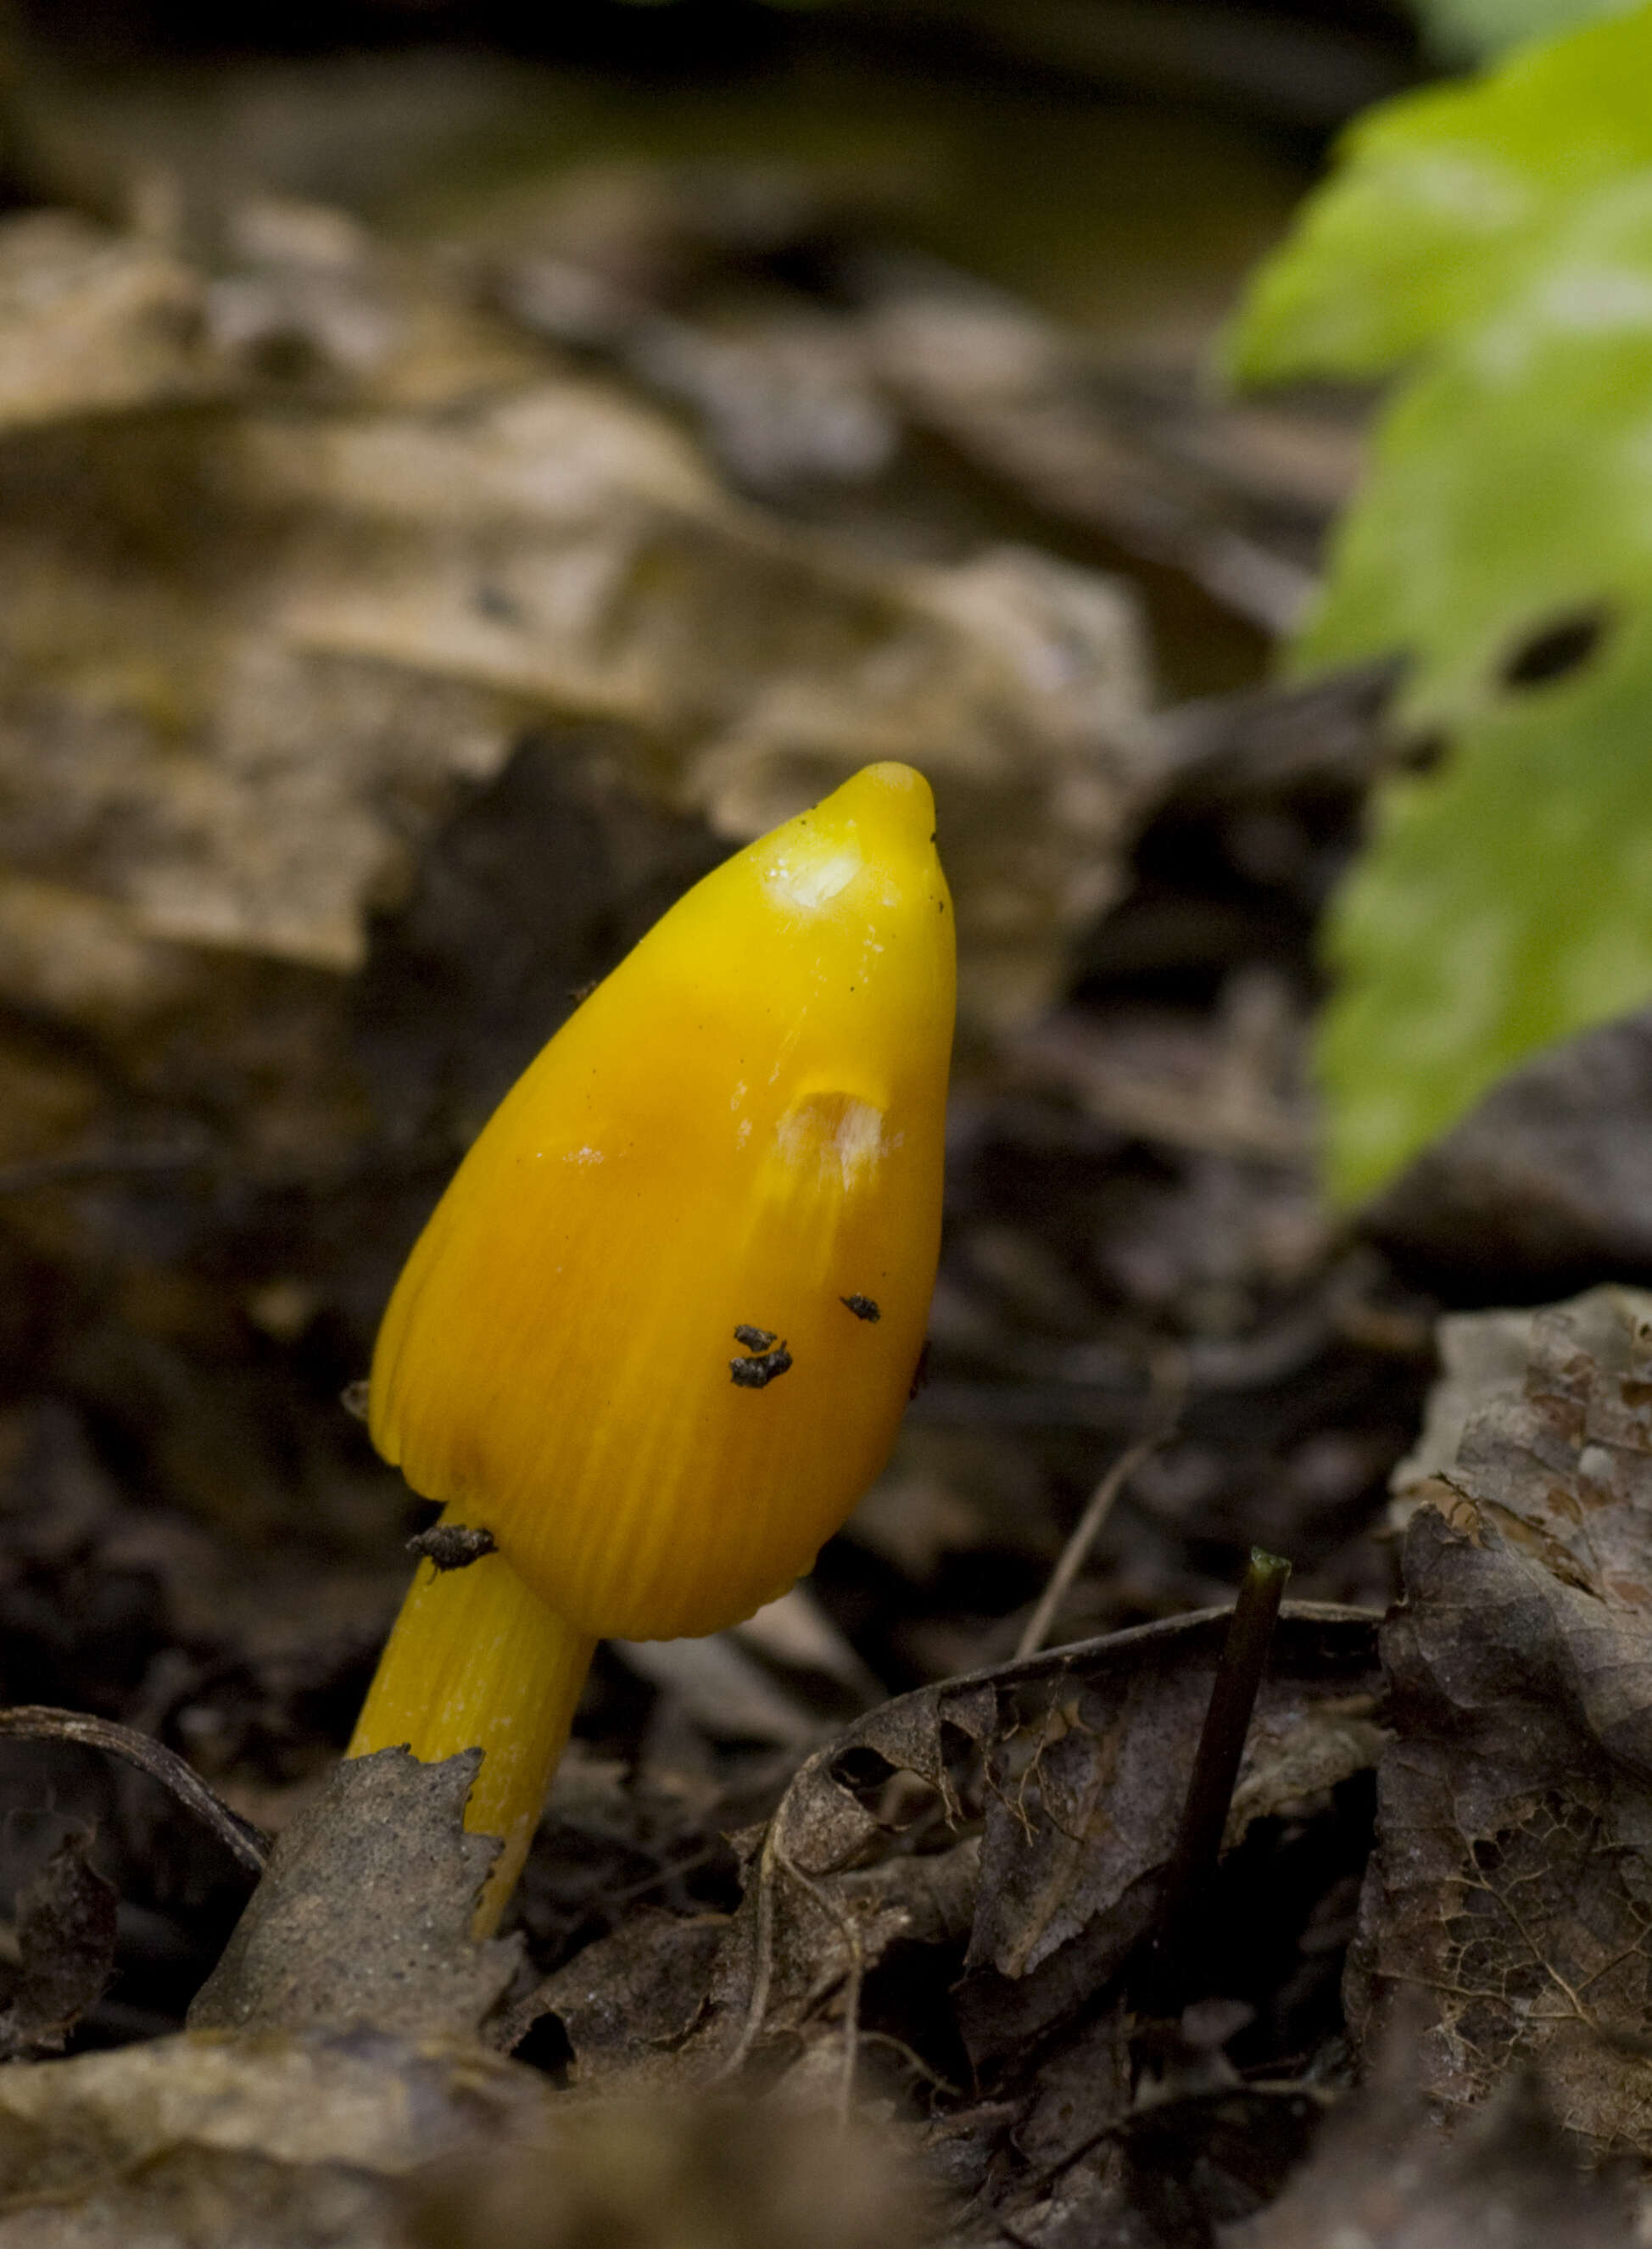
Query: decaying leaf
[[1513, 1888], [1086, 1791], [273, 2143], [631, 1999], [364, 1914], [65, 1947], [1072, 1766]]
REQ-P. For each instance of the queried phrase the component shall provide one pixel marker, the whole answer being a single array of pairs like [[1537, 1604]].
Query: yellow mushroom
[[658, 1333]]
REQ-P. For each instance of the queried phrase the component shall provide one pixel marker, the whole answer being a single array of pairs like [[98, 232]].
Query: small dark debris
[[758, 1372], [1554, 650], [756, 1339], [864, 1308], [452, 1545], [354, 1398]]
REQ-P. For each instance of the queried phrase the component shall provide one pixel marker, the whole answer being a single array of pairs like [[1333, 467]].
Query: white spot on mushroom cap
[[836, 1131], [813, 879]]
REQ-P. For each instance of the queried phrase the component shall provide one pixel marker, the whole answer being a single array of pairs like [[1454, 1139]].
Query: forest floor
[[449, 500]]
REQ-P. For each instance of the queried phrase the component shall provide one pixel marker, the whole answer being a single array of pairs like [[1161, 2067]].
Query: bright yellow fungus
[[657, 1336]]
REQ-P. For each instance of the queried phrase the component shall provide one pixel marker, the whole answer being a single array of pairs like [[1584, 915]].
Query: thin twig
[[33, 1722], [1170, 1381], [1183, 1927]]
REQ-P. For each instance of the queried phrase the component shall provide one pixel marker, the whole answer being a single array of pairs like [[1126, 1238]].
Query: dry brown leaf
[[1513, 1888], [1087, 1792], [627, 2002], [276, 2142]]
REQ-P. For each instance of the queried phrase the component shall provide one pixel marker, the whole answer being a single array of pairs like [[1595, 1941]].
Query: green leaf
[[1440, 199], [1495, 241], [1468, 31]]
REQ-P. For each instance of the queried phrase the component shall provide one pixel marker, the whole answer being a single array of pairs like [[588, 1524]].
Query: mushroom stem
[[476, 1659]]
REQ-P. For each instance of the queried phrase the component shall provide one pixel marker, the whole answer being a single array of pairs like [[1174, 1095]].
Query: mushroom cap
[[729, 1156]]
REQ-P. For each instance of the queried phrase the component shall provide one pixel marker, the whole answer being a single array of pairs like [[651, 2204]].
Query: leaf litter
[[385, 655]]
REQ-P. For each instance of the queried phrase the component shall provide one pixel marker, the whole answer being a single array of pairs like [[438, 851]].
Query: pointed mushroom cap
[[742, 1129]]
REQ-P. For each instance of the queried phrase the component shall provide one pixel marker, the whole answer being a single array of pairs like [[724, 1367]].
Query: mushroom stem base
[[476, 1660]]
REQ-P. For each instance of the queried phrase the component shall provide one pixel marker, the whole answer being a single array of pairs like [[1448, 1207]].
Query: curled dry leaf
[[1513, 1888], [627, 2003]]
